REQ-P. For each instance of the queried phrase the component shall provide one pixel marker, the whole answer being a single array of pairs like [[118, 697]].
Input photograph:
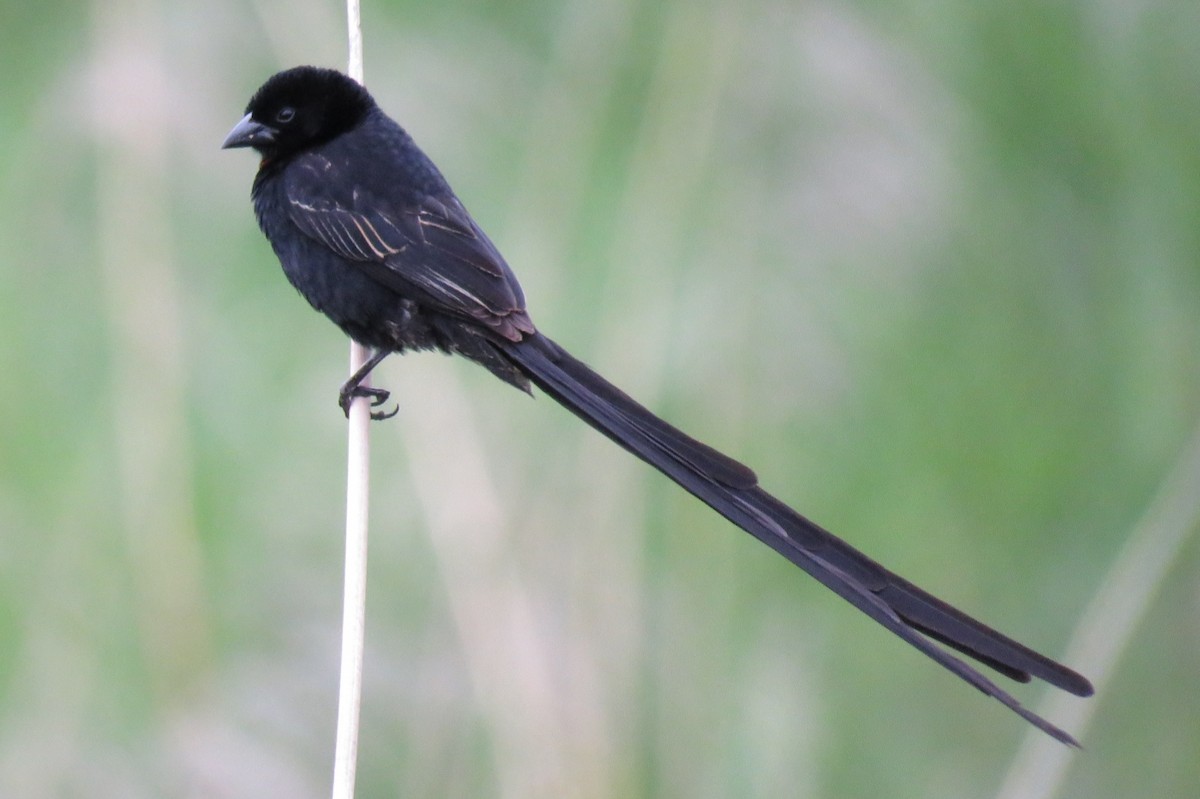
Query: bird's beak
[[249, 133]]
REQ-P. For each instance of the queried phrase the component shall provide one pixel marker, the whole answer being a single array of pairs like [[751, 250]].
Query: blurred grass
[[929, 268]]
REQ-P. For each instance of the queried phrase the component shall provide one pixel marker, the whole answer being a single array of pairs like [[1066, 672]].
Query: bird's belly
[[341, 291]]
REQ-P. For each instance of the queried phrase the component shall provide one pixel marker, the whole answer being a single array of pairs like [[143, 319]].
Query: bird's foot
[[378, 396]]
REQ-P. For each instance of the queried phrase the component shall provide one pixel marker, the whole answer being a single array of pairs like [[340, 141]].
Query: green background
[[931, 268]]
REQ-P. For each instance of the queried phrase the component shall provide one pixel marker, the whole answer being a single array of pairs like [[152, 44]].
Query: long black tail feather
[[732, 490]]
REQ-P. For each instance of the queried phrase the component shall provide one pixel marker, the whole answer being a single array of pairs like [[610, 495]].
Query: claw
[[353, 388], [378, 396], [379, 416]]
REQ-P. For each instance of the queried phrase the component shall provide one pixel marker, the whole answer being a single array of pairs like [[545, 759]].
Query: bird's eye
[[285, 114]]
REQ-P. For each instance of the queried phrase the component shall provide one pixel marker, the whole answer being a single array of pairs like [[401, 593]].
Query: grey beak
[[248, 133]]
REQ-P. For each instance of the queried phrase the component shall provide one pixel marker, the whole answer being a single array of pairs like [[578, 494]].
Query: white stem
[[354, 25], [354, 598]]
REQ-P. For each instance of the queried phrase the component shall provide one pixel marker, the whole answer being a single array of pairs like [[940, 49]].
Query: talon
[[379, 416], [352, 388], [378, 396]]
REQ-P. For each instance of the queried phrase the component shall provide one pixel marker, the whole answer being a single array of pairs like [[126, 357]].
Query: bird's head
[[300, 108]]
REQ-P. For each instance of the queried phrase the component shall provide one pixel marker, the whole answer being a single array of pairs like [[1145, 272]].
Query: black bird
[[371, 234]]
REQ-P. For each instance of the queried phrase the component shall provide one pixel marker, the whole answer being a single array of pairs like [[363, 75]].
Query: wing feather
[[430, 250]]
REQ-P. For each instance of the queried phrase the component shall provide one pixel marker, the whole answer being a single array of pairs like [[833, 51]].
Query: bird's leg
[[353, 388]]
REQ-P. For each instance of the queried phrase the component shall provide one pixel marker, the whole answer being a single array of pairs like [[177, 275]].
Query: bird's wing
[[429, 250]]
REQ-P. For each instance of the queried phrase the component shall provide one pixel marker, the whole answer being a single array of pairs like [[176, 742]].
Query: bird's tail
[[732, 490]]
